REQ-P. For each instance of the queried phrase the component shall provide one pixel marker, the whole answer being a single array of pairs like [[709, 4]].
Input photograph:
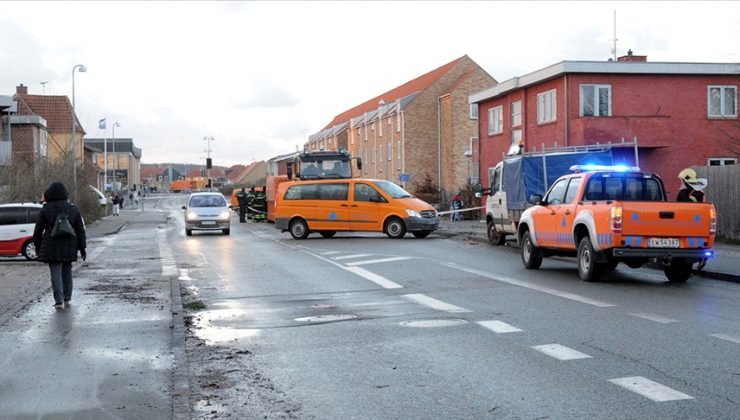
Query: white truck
[[516, 178]]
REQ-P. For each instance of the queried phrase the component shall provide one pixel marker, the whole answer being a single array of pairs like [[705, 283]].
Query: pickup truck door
[[565, 214], [497, 200], [548, 218]]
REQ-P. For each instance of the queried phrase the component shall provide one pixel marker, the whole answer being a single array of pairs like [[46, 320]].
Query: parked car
[[17, 221], [207, 211], [99, 195]]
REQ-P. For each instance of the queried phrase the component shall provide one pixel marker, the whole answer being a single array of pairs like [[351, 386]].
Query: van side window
[[11, 216], [364, 192], [302, 192], [33, 214], [333, 191]]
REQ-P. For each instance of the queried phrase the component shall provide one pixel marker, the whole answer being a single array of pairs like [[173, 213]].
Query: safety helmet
[[688, 175]]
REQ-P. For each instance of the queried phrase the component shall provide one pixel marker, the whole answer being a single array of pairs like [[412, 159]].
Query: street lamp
[[82, 69], [209, 139], [113, 139]]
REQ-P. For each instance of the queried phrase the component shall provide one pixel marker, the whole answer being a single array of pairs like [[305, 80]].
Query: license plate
[[209, 222], [663, 243]]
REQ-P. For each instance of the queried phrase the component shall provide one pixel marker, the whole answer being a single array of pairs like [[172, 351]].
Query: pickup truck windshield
[[624, 187]]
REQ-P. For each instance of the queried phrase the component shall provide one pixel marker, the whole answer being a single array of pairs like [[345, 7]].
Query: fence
[[724, 191]]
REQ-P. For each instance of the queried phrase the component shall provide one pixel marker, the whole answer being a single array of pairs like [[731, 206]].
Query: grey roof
[[604, 67], [122, 145], [7, 104]]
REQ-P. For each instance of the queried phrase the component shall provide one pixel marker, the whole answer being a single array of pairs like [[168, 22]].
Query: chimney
[[21, 90], [632, 58]]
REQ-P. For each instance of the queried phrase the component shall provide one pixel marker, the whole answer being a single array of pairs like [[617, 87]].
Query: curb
[[180, 380]]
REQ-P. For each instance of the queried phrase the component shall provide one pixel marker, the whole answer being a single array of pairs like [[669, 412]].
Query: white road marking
[[728, 337], [498, 327], [169, 266], [521, 283], [655, 318], [380, 260], [379, 280], [560, 352], [330, 252], [346, 257], [434, 303], [650, 389]]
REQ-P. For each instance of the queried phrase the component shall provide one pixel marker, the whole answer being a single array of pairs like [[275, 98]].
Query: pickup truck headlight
[[412, 213]]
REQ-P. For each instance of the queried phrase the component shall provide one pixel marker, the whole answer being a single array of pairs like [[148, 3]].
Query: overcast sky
[[261, 76]]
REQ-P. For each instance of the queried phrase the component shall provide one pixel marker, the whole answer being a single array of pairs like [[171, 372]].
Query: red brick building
[[682, 114]]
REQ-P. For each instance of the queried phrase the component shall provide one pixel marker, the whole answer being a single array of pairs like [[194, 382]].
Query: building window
[[516, 114], [398, 121], [596, 100], [722, 101], [380, 127], [373, 153], [546, 107], [365, 132], [516, 138], [398, 151], [390, 151], [372, 126], [721, 161], [380, 156], [495, 120], [473, 111]]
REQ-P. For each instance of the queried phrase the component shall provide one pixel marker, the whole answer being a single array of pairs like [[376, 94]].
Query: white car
[[17, 222], [207, 211]]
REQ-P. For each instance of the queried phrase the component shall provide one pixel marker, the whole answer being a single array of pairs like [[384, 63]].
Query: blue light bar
[[709, 253], [610, 168]]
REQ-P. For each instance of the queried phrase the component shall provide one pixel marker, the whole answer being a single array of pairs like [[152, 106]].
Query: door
[[332, 207], [565, 214], [497, 199], [366, 208], [547, 223], [12, 227]]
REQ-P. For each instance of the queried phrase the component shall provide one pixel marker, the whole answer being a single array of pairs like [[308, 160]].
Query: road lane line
[[655, 318], [379, 280], [434, 303], [498, 327], [560, 352], [346, 257], [330, 252], [650, 389], [728, 337], [520, 283], [380, 260]]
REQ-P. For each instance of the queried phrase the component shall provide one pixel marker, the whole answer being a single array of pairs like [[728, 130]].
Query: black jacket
[[58, 249]]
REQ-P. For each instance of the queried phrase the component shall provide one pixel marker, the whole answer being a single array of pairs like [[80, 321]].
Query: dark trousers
[[61, 280], [242, 212]]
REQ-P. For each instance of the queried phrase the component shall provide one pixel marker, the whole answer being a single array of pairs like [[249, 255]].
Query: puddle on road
[[204, 328], [433, 323]]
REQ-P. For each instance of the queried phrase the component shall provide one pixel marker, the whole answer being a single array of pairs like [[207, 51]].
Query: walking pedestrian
[[241, 198], [59, 250], [116, 205]]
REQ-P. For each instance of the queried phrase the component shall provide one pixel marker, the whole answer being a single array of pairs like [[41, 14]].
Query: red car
[[17, 221]]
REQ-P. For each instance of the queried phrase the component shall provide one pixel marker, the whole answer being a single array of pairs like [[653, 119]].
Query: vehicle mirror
[[359, 164], [184, 207], [535, 199], [478, 188], [478, 194]]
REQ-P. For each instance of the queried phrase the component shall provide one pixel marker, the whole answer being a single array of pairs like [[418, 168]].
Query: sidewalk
[[724, 266]]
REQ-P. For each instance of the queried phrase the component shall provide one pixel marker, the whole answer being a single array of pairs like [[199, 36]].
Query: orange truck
[[607, 215]]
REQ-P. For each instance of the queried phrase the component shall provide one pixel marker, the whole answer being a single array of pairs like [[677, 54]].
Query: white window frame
[[366, 132], [547, 106], [380, 157], [495, 120], [398, 122], [473, 111], [516, 117], [722, 104], [372, 126], [374, 155], [390, 151], [380, 127], [597, 107], [722, 161], [398, 146]]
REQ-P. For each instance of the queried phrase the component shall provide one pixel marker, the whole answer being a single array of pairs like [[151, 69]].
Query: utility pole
[[208, 139]]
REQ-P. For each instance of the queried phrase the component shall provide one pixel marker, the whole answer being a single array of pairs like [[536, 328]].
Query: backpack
[[62, 228]]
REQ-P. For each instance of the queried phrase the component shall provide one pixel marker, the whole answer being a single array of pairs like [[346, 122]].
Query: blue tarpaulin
[[525, 175]]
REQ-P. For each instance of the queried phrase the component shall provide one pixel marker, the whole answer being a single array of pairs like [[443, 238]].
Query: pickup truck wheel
[[678, 272], [588, 268], [530, 259], [298, 229], [494, 236]]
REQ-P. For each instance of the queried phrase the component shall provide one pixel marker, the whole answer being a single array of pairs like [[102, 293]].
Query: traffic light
[[209, 163]]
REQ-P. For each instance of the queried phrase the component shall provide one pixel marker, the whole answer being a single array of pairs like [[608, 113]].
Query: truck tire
[[298, 229], [588, 268], [530, 259], [494, 236], [679, 271], [395, 228]]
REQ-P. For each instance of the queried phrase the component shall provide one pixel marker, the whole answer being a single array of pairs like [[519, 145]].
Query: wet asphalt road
[[361, 326]]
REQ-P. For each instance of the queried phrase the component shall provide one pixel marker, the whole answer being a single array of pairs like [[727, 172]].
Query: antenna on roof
[[614, 49]]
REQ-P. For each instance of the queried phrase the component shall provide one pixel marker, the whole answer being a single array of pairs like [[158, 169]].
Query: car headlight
[[191, 215], [412, 213], [224, 215]]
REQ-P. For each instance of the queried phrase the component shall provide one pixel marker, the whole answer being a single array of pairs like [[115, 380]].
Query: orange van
[[329, 206]]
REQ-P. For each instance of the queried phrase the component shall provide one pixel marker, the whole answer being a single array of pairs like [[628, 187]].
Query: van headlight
[[413, 213]]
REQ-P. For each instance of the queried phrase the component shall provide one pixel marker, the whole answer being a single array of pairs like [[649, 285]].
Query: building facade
[[680, 114], [123, 162]]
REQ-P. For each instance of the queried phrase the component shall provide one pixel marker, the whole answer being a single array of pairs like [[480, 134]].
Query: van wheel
[[679, 271], [588, 268], [494, 236], [327, 233], [298, 229], [189, 232], [530, 259], [395, 228], [29, 250]]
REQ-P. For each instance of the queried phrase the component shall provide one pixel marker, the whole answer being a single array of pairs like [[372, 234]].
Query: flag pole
[[105, 153]]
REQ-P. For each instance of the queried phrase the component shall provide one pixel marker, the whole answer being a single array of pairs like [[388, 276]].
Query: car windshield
[[392, 189], [207, 201]]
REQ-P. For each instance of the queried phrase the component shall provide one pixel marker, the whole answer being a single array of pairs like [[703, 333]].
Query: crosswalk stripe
[[560, 352], [381, 260], [498, 327], [728, 337], [346, 257], [379, 280], [330, 252], [656, 318], [650, 389], [434, 303]]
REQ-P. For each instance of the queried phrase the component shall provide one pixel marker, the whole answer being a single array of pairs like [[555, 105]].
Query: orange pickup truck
[[608, 215]]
